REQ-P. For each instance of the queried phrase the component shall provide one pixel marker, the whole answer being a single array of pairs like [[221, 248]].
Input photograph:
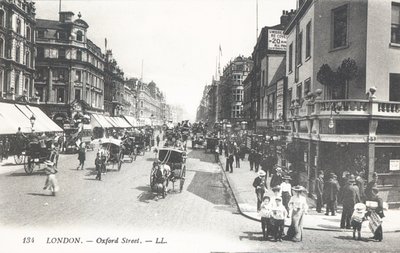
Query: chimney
[[66, 16], [285, 18]]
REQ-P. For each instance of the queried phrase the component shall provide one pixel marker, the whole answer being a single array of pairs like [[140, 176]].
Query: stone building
[[114, 87], [345, 88], [69, 68], [17, 49], [231, 90]]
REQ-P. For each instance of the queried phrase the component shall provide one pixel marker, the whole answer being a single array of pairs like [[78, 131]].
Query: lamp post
[[331, 123], [32, 120]]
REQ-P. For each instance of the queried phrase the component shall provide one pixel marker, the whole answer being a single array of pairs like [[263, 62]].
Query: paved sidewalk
[[241, 181]]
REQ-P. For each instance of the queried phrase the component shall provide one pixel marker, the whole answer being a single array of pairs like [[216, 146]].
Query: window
[[17, 54], [395, 35], [79, 36], [1, 47], [16, 84], [299, 48], [77, 94], [79, 55], [141, 104], [141, 113], [263, 78], [394, 86], [236, 111], [27, 59], [62, 35], [78, 77], [299, 91], [61, 53], [41, 33], [19, 26], [340, 27], [291, 57], [60, 95], [40, 52], [308, 40], [28, 33], [237, 95], [307, 86], [2, 23]]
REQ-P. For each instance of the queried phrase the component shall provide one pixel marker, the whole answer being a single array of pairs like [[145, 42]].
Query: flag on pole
[[220, 50]]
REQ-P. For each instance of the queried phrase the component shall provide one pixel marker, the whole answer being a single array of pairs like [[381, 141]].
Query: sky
[[177, 40]]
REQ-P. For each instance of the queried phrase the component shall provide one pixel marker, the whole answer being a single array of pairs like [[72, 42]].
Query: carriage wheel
[[119, 164], [19, 158], [183, 175], [28, 165]]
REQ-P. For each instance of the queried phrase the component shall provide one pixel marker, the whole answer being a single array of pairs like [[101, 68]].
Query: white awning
[[122, 122], [98, 120], [131, 121], [44, 122]]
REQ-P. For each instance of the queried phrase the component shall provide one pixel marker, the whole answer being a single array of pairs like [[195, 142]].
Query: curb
[[258, 220]]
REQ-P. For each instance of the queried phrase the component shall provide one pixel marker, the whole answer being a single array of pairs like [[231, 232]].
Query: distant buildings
[[55, 64]]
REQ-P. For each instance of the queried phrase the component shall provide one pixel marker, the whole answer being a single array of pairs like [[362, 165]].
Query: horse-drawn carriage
[[170, 167], [111, 151], [129, 148], [37, 152]]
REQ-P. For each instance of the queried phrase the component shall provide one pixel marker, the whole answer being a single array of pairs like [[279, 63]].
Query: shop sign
[[276, 40], [394, 165], [279, 99]]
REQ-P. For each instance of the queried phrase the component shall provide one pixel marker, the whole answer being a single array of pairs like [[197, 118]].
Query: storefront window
[[387, 159]]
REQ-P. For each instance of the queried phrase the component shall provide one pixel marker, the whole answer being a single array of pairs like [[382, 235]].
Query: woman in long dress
[[298, 207]]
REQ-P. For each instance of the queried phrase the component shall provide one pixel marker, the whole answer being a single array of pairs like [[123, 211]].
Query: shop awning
[[122, 122], [132, 121], [112, 121], [43, 121], [13, 116], [98, 120]]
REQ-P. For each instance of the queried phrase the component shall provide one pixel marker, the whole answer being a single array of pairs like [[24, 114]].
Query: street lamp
[[32, 120], [331, 123]]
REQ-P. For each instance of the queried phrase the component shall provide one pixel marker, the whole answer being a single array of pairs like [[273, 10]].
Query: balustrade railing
[[354, 107]]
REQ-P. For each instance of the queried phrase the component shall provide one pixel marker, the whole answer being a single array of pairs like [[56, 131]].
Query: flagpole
[[59, 6], [256, 20]]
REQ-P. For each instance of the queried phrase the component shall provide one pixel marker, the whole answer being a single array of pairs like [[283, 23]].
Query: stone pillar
[[71, 85], [50, 93], [371, 160]]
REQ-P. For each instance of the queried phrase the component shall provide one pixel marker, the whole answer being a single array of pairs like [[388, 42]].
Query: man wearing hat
[[349, 196], [276, 177], [331, 190], [319, 189], [260, 185], [51, 181], [286, 191]]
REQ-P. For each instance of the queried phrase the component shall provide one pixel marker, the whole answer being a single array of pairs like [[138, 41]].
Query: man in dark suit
[[349, 196], [319, 189], [331, 190]]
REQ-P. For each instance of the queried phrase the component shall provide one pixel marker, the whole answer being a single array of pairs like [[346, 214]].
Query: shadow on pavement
[[199, 154], [328, 226], [252, 236], [23, 174], [40, 194], [210, 186], [11, 164], [146, 194], [350, 238]]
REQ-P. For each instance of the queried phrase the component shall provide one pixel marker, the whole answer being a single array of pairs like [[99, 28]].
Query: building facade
[[231, 90], [69, 68], [114, 87], [17, 50], [344, 88]]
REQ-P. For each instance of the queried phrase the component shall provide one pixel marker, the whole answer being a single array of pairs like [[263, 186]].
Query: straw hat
[[278, 198], [261, 173], [299, 188], [360, 208]]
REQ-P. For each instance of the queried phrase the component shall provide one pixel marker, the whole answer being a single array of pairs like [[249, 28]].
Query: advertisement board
[[276, 40]]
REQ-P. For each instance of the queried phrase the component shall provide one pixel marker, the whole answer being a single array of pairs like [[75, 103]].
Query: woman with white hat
[[51, 180], [298, 207]]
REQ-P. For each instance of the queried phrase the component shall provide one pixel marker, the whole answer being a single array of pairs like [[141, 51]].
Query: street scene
[[200, 126]]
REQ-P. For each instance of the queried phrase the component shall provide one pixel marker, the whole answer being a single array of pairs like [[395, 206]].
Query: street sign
[[276, 40]]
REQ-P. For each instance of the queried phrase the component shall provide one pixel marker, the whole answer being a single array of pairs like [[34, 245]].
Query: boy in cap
[[278, 215], [357, 218], [266, 217]]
